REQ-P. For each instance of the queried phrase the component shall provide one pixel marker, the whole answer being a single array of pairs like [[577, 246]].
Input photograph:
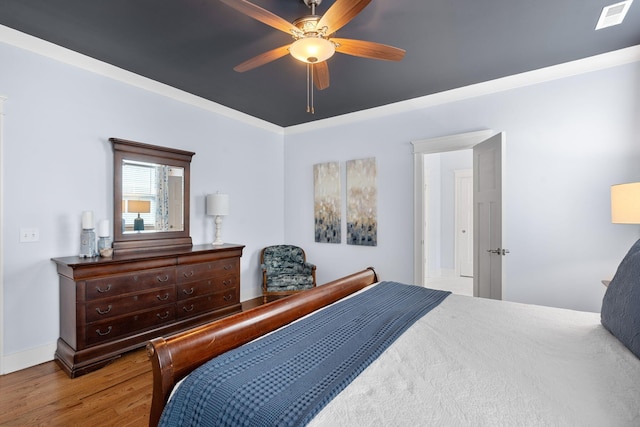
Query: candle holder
[[104, 247], [87, 243], [104, 241], [87, 236]]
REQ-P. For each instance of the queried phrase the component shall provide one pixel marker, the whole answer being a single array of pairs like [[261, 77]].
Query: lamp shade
[[139, 206], [218, 204], [625, 203]]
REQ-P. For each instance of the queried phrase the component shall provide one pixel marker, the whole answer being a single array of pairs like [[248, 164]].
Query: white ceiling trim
[[70, 57], [568, 69], [594, 63]]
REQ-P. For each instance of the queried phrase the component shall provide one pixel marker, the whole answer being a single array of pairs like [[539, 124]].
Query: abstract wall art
[[327, 202], [362, 202]]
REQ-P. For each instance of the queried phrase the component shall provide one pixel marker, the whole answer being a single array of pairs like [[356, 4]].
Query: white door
[[487, 218], [464, 222]]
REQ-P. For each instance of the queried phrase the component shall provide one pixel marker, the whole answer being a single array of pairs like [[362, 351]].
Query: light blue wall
[[567, 141], [58, 162]]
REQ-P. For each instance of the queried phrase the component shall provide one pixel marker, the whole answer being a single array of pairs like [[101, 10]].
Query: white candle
[[103, 228], [87, 220]]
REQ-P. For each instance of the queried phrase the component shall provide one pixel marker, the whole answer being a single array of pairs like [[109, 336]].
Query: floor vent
[[613, 14]]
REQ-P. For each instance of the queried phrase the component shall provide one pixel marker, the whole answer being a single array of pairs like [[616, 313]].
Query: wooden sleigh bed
[[175, 357], [470, 361]]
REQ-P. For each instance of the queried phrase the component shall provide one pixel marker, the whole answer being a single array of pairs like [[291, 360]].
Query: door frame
[[462, 141], [2, 99]]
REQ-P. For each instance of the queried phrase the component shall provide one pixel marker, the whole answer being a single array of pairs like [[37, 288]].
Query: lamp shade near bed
[[625, 203]]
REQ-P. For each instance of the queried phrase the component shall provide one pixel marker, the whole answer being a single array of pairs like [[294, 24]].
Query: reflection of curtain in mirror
[[162, 211]]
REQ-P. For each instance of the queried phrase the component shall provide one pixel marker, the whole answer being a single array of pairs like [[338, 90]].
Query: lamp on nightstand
[[625, 206], [625, 203], [218, 206]]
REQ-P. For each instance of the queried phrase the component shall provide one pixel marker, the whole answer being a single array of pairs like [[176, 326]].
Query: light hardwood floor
[[117, 395]]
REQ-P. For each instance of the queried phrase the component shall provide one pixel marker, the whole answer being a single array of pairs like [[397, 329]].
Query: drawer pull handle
[[102, 291], [227, 297], [189, 274], [226, 282], [228, 267], [166, 297], [105, 311], [99, 332], [188, 309], [163, 316], [166, 277], [188, 292]]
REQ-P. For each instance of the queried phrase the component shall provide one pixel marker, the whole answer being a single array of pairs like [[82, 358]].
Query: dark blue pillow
[[621, 304]]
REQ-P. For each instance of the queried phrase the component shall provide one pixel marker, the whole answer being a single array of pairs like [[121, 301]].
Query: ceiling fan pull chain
[[308, 108]]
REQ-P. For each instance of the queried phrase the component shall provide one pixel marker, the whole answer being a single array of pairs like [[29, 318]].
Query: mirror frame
[[161, 240]]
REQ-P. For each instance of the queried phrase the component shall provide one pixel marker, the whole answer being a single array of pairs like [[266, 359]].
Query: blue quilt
[[287, 377]]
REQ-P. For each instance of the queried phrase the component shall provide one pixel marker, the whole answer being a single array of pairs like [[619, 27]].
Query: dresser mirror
[[150, 197]]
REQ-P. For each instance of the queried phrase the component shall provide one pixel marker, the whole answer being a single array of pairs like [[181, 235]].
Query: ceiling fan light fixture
[[312, 50]]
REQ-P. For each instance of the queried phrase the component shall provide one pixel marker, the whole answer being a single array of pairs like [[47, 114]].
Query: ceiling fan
[[313, 42]]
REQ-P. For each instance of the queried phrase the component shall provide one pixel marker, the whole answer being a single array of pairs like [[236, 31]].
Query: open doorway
[[448, 196], [487, 241]]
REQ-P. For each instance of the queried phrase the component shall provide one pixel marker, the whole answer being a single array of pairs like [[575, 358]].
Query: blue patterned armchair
[[285, 271]]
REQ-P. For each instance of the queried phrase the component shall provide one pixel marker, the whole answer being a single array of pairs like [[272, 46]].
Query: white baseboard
[[28, 358]]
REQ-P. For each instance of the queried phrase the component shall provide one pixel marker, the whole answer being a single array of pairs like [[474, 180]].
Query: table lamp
[[218, 206], [139, 206], [625, 203]]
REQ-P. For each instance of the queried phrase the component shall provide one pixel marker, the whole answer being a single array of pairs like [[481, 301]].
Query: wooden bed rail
[[174, 357]]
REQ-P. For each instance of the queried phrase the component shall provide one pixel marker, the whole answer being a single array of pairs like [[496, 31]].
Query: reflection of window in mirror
[[152, 197], [151, 182]]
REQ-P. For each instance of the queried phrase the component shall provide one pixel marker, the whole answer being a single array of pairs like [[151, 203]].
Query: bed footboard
[[175, 357]]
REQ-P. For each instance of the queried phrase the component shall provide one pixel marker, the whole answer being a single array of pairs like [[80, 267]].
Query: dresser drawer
[[117, 285], [194, 306], [207, 286], [111, 307], [220, 268], [116, 327]]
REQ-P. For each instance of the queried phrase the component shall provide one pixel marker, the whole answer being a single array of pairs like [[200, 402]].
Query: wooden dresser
[[112, 305]]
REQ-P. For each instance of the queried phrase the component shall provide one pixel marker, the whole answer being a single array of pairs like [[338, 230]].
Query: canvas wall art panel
[[327, 202], [362, 202]]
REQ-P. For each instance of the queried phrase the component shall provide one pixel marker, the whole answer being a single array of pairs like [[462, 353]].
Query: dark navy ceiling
[[193, 45]]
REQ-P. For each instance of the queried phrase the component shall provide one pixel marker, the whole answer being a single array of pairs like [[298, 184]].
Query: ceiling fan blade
[[262, 59], [321, 75], [367, 49], [340, 13], [262, 15]]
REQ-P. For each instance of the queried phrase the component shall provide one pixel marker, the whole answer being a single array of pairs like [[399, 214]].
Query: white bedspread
[[479, 362]]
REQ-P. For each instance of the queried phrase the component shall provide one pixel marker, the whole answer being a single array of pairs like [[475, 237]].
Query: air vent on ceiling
[[613, 14]]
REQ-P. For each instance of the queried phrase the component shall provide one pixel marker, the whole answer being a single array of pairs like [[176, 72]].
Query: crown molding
[[70, 57], [555, 72]]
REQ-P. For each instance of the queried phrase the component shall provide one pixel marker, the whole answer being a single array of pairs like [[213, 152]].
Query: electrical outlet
[[29, 235]]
